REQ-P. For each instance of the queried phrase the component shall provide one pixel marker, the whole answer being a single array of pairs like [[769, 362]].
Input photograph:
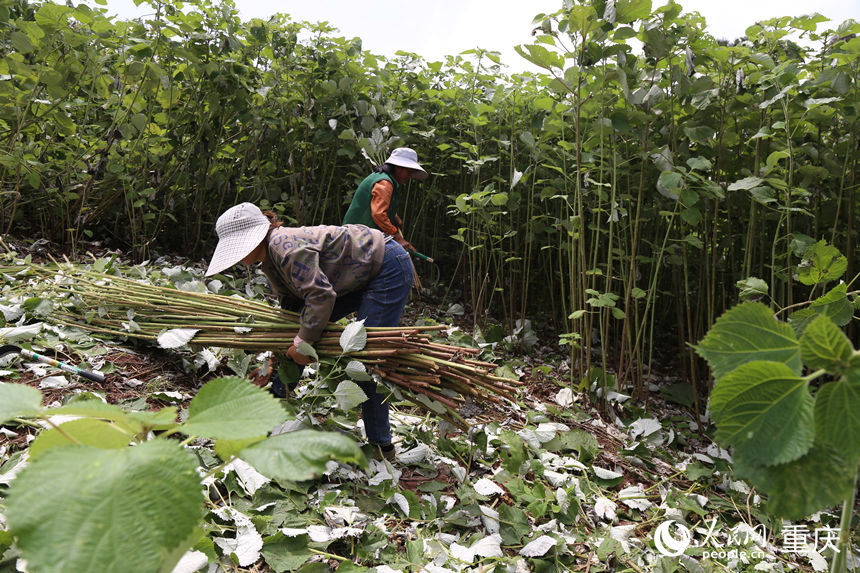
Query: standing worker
[[326, 273], [376, 200]]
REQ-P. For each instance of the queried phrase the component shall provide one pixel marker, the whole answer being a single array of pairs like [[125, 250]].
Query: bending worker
[[325, 273], [376, 200]]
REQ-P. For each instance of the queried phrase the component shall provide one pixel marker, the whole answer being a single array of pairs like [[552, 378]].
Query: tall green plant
[[786, 397]]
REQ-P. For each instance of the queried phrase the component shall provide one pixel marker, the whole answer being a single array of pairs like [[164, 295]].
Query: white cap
[[240, 229], [405, 157]]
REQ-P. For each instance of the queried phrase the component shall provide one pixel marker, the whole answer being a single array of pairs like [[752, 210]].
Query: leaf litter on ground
[[545, 484]]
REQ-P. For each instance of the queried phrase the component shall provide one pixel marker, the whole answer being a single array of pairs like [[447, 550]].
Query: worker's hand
[[398, 222], [297, 357], [404, 243], [260, 376]]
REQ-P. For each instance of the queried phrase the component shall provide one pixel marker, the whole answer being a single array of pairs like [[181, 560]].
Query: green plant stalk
[[431, 366], [843, 548]]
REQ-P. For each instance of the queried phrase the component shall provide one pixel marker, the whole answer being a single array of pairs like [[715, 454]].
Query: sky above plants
[[443, 27]]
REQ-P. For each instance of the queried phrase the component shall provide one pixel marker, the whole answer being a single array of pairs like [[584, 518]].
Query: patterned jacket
[[315, 265]]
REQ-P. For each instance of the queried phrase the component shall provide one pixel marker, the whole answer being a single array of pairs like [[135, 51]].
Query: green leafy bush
[[113, 491], [787, 394]]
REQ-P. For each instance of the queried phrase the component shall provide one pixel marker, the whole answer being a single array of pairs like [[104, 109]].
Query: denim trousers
[[380, 304]]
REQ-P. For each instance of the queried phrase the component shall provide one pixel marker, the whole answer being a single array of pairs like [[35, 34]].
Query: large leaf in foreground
[[795, 490], [232, 409], [836, 419], [745, 333], [302, 455], [765, 412], [86, 509], [17, 400], [80, 432], [823, 345], [92, 408]]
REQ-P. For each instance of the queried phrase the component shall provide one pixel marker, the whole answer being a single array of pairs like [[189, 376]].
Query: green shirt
[[360, 213]]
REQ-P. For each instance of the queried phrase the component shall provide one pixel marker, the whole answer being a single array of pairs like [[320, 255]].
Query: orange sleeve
[[379, 201]]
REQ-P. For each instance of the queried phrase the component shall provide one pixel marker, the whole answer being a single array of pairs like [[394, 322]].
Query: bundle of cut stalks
[[405, 356]]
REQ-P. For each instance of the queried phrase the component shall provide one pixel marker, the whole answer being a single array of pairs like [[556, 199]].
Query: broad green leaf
[[176, 337], [580, 441], [841, 83], [512, 454], [699, 164], [819, 480], [306, 349], [21, 42], [834, 304], [232, 408], [763, 195], [52, 16], [226, 449], [700, 133], [821, 263], [102, 411], [745, 333], [354, 337], [689, 197], [82, 432], [290, 553], [357, 371], [692, 239], [765, 411], [513, 524], [539, 56], [669, 180], [499, 199], [349, 395], [301, 455], [430, 404], [746, 183], [18, 400], [752, 287], [679, 393], [37, 306], [290, 372], [836, 421], [87, 509], [774, 158], [692, 216], [159, 420], [621, 34], [627, 11], [823, 345]]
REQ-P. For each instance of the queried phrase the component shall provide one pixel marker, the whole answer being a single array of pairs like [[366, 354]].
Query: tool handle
[[94, 376], [422, 256]]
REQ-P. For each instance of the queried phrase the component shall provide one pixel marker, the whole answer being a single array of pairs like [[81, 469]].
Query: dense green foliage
[[618, 195], [138, 508]]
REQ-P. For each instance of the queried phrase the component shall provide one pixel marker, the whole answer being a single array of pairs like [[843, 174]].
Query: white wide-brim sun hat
[[240, 229], [405, 157]]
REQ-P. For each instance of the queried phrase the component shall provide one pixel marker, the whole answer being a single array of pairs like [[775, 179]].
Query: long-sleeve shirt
[[380, 201], [315, 265]]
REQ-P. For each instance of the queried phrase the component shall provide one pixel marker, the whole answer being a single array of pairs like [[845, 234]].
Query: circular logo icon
[[666, 542]]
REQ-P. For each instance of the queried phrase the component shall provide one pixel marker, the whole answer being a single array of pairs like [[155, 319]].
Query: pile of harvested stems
[[119, 306]]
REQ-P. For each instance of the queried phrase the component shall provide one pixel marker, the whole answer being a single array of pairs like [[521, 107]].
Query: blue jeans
[[380, 304]]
